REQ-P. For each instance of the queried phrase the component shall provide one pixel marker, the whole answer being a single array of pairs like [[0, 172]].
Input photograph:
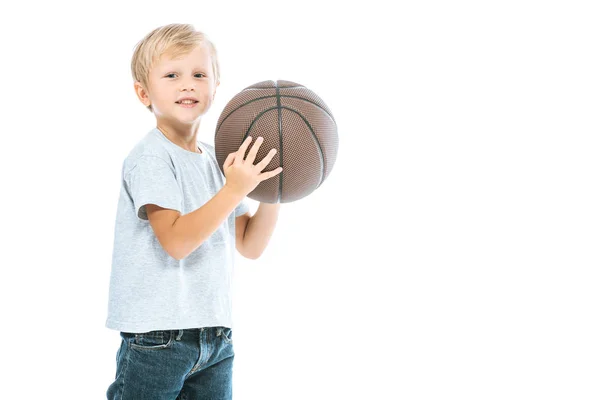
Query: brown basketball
[[291, 119]]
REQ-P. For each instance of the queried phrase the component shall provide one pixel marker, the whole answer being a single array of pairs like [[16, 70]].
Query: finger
[[242, 150], [265, 161], [228, 160], [252, 154], [270, 174]]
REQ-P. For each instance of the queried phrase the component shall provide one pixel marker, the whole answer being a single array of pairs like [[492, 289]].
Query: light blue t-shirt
[[150, 290]]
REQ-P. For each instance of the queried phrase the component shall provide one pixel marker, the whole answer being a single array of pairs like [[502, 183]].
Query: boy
[[179, 222]]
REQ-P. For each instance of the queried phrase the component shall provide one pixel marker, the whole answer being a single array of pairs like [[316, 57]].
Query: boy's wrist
[[233, 193]]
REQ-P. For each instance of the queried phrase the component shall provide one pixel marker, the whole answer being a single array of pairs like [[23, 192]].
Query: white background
[[451, 254]]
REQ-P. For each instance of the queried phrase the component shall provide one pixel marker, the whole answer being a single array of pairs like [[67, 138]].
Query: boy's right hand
[[242, 175]]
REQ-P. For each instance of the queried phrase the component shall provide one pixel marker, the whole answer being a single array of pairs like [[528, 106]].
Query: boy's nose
[[188, 85]]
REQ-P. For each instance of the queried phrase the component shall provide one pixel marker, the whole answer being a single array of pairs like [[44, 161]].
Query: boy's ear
[[141, 93], [215, 92]]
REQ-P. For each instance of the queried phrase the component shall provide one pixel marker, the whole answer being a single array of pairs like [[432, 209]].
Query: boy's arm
[[180, 234], [258, 230], [240, 230]]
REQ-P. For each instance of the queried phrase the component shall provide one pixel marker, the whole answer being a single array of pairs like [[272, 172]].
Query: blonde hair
[[174, 40]]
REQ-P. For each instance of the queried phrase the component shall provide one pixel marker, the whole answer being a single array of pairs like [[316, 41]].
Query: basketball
[[291, 119]]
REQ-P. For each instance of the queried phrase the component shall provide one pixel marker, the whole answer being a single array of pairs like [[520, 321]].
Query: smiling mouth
[[188, 105]]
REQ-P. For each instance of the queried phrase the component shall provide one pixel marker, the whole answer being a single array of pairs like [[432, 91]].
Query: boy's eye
[[174, 74]]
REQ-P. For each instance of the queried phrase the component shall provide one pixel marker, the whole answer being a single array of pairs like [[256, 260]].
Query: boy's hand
[[242, 175]]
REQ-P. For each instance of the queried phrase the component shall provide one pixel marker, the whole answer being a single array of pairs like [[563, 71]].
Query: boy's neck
[[188, 142]]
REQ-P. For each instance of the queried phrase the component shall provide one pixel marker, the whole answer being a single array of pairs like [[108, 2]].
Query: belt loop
[[179, 334]]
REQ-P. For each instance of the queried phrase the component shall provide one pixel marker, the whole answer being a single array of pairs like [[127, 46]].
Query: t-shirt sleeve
[[152, 181], [242, 208]]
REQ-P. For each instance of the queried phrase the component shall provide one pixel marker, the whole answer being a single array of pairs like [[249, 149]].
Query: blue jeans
[[174, 365]]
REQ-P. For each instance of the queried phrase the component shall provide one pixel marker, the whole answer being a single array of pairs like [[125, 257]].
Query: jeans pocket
[[153, 340], [226, 334]]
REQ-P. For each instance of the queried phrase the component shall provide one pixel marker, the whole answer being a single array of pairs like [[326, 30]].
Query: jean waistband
[[211, 331]]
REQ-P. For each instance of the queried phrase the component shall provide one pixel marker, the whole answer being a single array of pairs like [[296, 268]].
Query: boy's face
[[173, 79]]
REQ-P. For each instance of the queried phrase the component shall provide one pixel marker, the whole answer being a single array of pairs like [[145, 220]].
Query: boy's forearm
[[260, 228], [192, 229]]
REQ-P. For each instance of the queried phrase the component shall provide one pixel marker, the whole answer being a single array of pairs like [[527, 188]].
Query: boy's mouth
[[187, 103]]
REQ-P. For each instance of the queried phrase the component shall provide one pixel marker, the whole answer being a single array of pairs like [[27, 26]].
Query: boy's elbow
[[180, 254], [175, 255], [244, 251], [176, 252], [253, 256], [179, 251]]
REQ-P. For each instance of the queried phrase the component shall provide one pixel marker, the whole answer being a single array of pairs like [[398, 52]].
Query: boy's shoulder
[[148, 146]]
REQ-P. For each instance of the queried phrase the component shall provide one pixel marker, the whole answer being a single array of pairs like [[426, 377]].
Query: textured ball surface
[[291, 119]]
